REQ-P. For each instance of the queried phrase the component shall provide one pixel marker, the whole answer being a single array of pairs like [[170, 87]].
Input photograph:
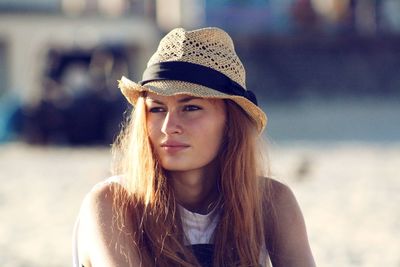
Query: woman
[[191, 189]]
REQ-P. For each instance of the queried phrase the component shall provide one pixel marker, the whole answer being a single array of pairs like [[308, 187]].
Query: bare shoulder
[[103, 232], [286, 234], [280, 196], [100, 199], [98, 205], [96, 209], [281, 206]]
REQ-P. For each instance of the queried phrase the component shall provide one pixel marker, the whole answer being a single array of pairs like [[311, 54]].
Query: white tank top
[[199, 228]]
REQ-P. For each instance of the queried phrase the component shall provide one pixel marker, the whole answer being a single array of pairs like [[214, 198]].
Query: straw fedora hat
[[201, 63]]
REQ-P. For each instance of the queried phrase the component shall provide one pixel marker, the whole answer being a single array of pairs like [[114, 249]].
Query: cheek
[[152, 130], [217, 136], [211, 136]]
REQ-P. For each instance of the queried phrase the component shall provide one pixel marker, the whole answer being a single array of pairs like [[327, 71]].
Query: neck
[[196, 190]]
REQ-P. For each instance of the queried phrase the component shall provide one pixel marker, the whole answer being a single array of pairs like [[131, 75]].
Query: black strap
[[197, 74], [204, 254]]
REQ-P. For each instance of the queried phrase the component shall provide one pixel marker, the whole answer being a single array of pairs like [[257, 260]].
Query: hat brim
[[132, 90]]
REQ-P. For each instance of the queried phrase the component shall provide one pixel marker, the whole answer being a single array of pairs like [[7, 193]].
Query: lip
[[173, 146]]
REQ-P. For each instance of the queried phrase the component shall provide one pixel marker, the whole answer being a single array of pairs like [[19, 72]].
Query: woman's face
[[186, 132]]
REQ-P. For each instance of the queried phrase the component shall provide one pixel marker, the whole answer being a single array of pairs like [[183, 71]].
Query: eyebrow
[[156, 101], [182, 100], [187, 99]]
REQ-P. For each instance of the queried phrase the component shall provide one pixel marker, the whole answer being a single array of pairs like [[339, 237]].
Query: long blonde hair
[[158, 233]]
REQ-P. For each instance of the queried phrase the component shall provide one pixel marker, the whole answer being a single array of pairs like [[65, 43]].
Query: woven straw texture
[[210, 47]]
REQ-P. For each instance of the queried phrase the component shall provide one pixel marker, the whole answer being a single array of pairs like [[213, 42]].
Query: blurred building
[[282, 17], [85, 24], [57, 58], [58, 55], [29, 29]]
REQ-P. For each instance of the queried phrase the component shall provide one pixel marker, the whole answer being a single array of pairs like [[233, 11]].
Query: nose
[[171, 124]]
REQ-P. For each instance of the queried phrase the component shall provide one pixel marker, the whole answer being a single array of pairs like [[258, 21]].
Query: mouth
[[173, 146]]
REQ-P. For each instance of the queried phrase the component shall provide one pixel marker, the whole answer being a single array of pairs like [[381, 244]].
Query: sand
[[349, 194]]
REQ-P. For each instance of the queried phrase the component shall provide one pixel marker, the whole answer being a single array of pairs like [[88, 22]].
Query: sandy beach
[[349, 194]]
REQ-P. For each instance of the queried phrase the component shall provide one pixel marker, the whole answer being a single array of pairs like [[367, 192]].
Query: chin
[[180, 166], [175, 167]]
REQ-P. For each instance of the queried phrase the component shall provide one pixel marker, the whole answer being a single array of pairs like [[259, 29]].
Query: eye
[[191, 108], [156, 109]]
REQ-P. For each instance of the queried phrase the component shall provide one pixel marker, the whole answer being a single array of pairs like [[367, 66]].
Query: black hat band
[[197, 74]]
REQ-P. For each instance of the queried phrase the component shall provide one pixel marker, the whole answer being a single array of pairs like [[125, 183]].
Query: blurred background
[[325, 71]]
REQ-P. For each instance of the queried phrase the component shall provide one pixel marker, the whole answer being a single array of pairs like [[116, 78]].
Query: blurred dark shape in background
[[79, 104], [293, 50]]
